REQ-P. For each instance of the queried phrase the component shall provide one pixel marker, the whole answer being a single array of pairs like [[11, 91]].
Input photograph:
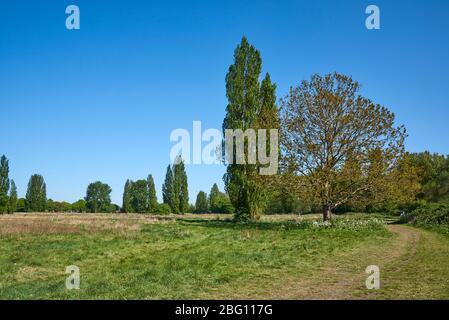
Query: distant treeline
[[138, 196]]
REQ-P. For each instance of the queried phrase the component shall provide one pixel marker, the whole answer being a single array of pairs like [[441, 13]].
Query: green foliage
[[432, 214], [180, 184], [341, 143], [4, 184], [169, 195], [98, 197], [127, 197], [152, 197], [13, 198], [139, 196], [163, 208], [201, 204], [250, 106], [80, 206], [36, 196], [281, 202], [219, 202], [214, 196], [434, 175], [21, 205], [175, 188]]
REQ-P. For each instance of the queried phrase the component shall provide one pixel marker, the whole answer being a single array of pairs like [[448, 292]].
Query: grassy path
[[414, 264]]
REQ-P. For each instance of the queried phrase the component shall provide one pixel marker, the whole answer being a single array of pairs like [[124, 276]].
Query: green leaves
[[340, 142], [250, 106], [36, 196], [175, 188], [4, 184], [201, 205], [98, 197]]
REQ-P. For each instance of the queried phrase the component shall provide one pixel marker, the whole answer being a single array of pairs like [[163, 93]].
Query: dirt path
[[406, 270]]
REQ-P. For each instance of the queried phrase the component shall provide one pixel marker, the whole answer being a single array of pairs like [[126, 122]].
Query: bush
[[163, 208], [433, 214]]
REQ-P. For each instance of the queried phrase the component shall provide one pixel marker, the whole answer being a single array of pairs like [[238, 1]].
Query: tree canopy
[[341, 143], [98, 197], [36, 196]]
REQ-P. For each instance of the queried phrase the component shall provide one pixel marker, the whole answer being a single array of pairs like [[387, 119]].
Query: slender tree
[[4, 184], [214, 197], [169, 195], [152, 197], [98, 197], [201, 204], [127, 197], [250, 106], [36, 196], [180, 185], [13, 198]]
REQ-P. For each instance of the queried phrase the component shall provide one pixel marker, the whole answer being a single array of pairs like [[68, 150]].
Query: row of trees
[[217, 202], [175, 188], [138, 196]]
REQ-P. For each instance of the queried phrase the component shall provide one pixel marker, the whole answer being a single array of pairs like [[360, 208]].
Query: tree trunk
[[326, 212]]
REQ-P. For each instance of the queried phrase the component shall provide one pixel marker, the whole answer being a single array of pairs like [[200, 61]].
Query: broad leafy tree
[[98, 197], [80, 206], [333, 137], [36, 196], [139, 196]]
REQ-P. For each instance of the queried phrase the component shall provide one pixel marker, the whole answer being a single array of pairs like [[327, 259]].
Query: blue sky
[[99, 103]]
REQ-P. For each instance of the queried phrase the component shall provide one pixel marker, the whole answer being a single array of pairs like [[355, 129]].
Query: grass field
[[209, 257]]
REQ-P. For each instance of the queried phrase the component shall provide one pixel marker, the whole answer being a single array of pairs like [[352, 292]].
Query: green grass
[[182, 259]]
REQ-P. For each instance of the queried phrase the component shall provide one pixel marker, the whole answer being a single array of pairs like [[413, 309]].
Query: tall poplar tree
[[126, 206], [152, 197], [201, 205], [250, 106], [4, 184], [214, 197], [13, 198], [181, 185], [36, 196], [169, 195]]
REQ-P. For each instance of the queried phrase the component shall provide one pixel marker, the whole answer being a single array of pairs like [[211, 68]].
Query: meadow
[[134, 256]]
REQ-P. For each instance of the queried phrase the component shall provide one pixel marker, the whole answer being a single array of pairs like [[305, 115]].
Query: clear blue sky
[[100, 103]]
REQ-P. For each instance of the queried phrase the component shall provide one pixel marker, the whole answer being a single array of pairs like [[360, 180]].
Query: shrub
[[163, 208], [433, 214]]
